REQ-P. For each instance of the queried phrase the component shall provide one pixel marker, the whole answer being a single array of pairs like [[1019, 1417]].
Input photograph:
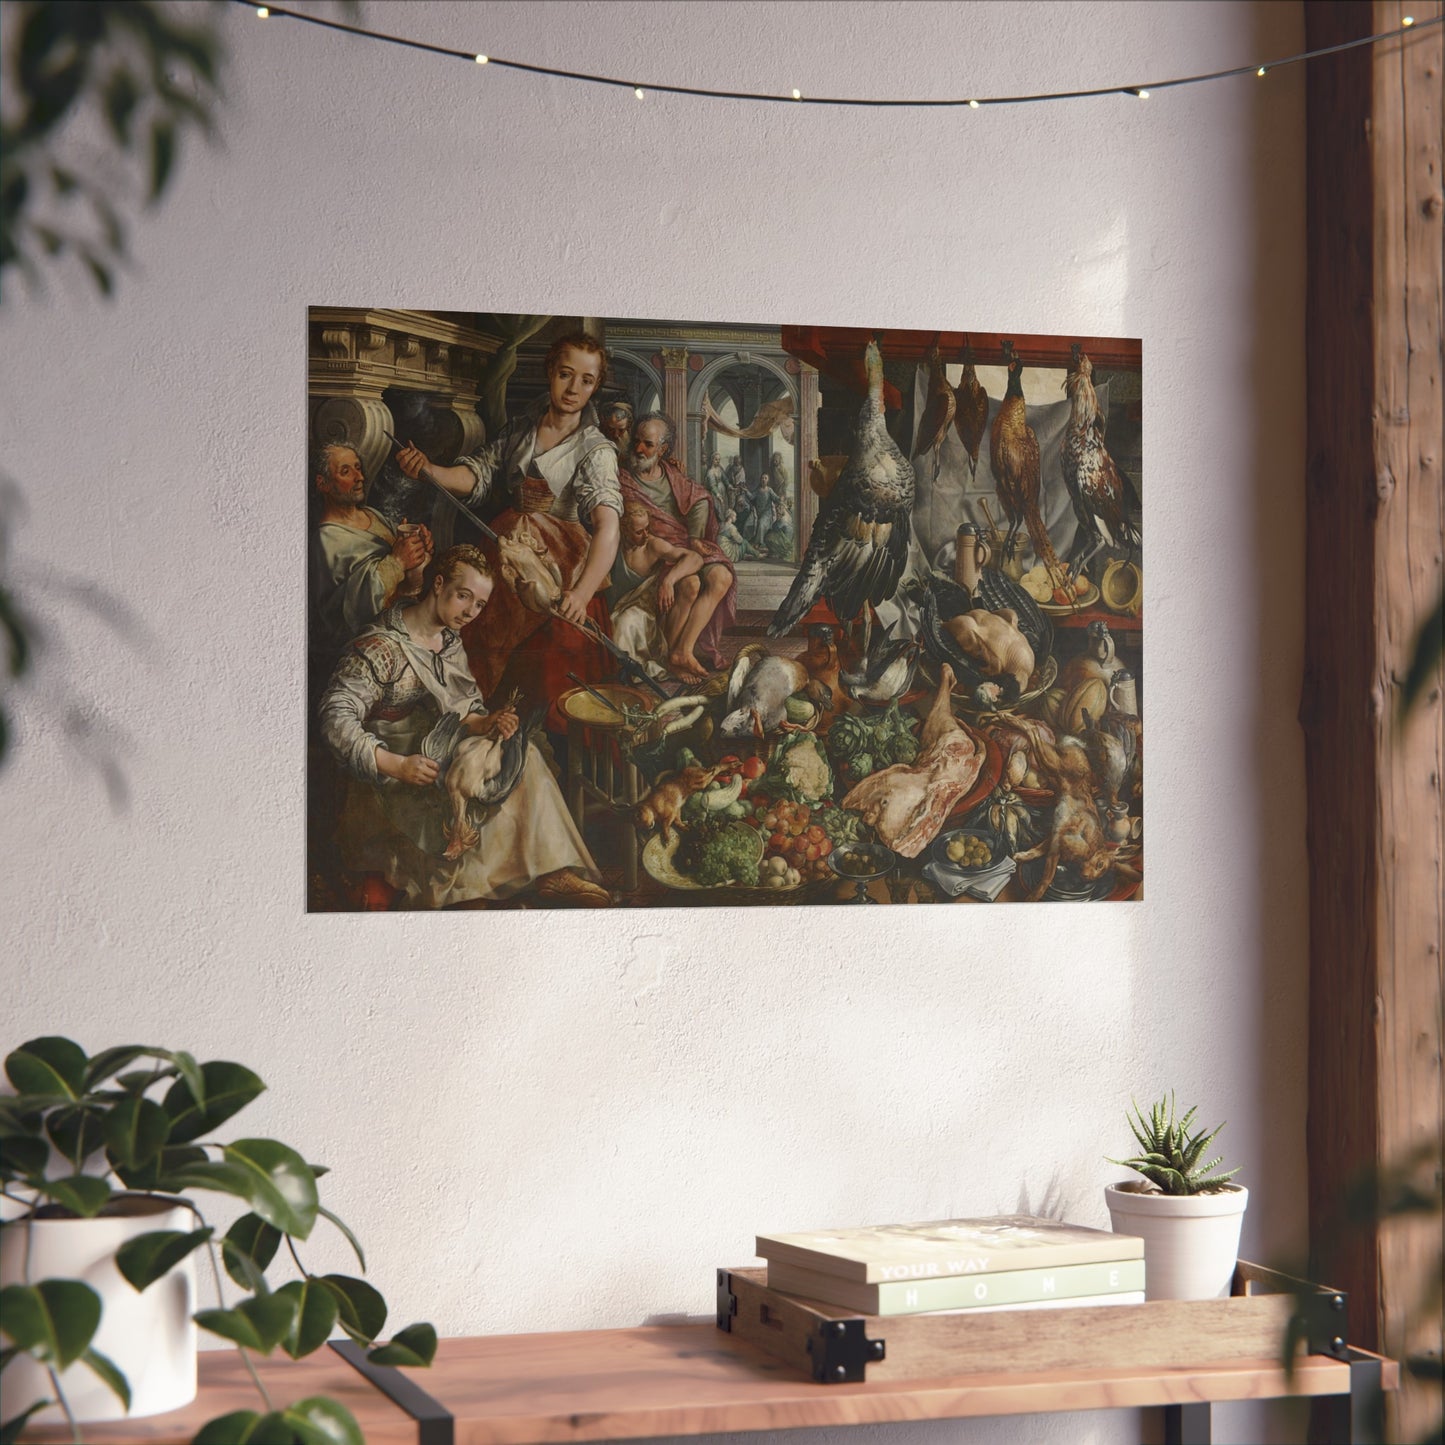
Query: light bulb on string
[[1142, 94], [637, 91], [1407, 21], [1261, 72], [797, 95], [973, 105], [482, 59], [262, 12]]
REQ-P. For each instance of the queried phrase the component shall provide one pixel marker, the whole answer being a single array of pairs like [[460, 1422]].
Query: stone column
[[807, 450], [674, 398]]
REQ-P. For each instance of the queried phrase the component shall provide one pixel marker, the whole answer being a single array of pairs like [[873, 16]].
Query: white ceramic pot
[[149, 1336], [1191, 1241]]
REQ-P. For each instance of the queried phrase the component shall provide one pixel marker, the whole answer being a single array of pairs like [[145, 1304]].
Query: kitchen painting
[[623, 613]]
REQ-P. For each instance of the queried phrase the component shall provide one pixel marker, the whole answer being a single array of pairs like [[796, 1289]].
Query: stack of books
[[1012, 1261]]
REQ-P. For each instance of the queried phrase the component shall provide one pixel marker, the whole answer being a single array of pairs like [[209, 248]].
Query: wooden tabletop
[[688, 1379]]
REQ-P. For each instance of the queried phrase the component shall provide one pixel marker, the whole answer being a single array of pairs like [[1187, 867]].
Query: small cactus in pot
[[1170, 1153]]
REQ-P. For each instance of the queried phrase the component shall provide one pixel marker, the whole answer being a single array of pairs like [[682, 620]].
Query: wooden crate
[[836, 1345]]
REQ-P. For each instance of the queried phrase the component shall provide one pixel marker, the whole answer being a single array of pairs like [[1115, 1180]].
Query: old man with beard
[[682, 512]]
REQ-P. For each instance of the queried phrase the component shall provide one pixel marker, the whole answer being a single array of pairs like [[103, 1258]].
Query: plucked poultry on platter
[[859, 544], [906, 805]]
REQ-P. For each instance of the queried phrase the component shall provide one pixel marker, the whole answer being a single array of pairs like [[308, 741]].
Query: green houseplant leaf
[[415, 1345], [316, 1311], [149, 1257], [360, 1309], [228, 1088], [319, 1421], [82, 1194], [259, 1323], [248, 1248], [136, 1130], [245, 1427], [282, 1186], [11, 1430], [55, 1320], [50, 1065], [105, 1368]]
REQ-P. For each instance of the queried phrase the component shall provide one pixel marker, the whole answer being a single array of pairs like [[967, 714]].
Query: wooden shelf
[[691, 1379]]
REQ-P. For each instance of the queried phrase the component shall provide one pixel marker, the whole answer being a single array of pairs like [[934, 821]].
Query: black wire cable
[[642, 87]]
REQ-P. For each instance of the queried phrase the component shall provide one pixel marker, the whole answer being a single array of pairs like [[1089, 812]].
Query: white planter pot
[[149, 1336], [1191, 1241]]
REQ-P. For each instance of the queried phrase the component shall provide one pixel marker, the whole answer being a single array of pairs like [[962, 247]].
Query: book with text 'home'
[[961, 1292], [883, 1253]]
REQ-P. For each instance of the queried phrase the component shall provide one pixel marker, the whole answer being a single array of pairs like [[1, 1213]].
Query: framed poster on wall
[[613, 612]]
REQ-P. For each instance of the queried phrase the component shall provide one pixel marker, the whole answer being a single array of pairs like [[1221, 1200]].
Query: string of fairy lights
[[642, 89]]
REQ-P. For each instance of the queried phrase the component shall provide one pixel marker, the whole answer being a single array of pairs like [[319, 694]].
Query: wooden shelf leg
[[1187, 1424]]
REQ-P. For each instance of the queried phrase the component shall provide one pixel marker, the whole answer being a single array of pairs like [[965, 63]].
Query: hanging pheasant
[[970, 416], [1013, 453], [937, 411]]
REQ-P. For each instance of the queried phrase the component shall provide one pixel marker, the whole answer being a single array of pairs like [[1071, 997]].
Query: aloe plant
[[79, 1131], [1171, 1155]]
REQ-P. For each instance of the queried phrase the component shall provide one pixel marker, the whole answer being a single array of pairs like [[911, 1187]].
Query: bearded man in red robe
[[682, 513]]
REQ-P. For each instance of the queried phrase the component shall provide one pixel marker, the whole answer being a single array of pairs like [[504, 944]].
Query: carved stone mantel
[[355, 354]]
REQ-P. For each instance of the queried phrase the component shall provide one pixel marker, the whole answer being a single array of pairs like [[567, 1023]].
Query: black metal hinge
[[727, 1301], [841, 1352]]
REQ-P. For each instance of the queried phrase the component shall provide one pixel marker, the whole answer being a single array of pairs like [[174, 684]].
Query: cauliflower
[[797, 771]]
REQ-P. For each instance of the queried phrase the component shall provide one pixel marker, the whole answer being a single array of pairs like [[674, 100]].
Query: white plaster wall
[[547, 1121]]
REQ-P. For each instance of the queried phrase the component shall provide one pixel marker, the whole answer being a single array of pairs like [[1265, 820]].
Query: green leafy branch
[[80, 1113], [145, 75]]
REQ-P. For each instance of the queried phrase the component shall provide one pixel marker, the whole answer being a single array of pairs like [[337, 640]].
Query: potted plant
[[1187, 1213], [102, 1230]]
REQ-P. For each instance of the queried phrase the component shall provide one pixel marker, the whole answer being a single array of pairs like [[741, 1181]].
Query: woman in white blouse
[[556, 468]]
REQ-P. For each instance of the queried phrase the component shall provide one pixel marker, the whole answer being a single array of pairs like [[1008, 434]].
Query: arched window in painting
[[759, 474]]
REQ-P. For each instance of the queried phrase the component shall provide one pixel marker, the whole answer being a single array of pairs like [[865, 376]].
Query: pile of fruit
[[791, 833]]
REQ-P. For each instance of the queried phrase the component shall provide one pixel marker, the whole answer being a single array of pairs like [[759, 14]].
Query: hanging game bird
[[937, 411], [1105, 501], [970, 414], [1013, 453], [859, 543]]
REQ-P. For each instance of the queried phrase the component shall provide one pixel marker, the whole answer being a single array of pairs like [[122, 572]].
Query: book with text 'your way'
[[883, 1253], [962, 1292]]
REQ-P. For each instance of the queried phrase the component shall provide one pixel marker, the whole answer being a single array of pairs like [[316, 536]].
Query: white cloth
[[388, 691], [946, 496]]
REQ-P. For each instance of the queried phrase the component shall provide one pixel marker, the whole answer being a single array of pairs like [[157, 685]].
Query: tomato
[[753, 769], [816, 834], [778, 842]]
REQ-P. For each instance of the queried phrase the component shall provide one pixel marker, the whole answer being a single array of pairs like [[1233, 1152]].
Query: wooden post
[[1373, 571]]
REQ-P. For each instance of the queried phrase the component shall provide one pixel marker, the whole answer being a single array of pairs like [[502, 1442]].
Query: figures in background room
[[1105, 500], [391, 688], [681, 512], [778, 467], [553, 466], [1014, 457], [360, 565], [735, 546], [859, 543], [781, 536]]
